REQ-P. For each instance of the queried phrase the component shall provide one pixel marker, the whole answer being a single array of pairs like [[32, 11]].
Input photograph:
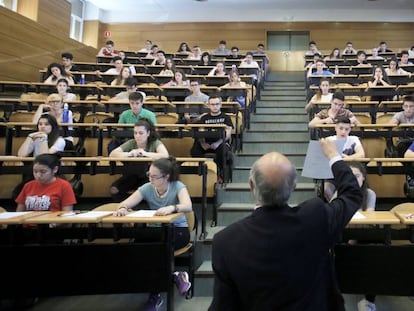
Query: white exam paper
[[8, 215], [142, 213], [358, 215]]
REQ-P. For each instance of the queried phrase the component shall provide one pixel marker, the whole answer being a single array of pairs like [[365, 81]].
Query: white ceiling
[[121, 11]]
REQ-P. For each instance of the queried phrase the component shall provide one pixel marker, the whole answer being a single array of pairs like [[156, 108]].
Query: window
[[9, 4], [76, 19]]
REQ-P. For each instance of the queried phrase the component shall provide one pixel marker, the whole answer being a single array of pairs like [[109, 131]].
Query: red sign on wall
[[107, 34]]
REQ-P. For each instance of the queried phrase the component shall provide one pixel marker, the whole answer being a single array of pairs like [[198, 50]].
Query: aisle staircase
[[279, 124]]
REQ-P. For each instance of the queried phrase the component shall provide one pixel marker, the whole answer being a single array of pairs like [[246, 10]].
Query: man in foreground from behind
[[279, 258]]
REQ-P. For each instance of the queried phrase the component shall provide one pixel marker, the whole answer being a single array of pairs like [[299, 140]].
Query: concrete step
[[299, 97], [302, 118], [292, 87], [241, 174], [240, 193], [297, 83], [276, 136], [283, 92], [204, 279], [269, 146], [277, 109], [247, 159], [281, 102], [229, 212], [272, 126], [271, 103]]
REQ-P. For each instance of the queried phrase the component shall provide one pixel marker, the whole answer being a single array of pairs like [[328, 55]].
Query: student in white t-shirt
[[352, 149]]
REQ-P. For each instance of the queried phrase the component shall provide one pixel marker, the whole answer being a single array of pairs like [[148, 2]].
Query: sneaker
[[365, 305], [153, 303], [181, 282]]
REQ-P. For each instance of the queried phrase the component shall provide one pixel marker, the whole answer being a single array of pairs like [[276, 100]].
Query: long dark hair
[[201, 63], [54, 134], [149, 127], [168, 166], [61, 68], [51, 160], [364, 187]]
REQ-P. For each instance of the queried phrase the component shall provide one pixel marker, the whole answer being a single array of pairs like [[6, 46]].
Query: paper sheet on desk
[[142, 213], [358, 215], [8, 215], [316, 165], [93, 214]]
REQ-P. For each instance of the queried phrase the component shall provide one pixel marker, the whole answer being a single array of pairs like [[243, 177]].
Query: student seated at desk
[[62, 87], [122, 76], [179, 79], [335, 54], [322, 95], [235, 81], [320, 71], [146, 143], [220, 146], [169, 68], [219, 70], [136, 111], [205, 59], [184, 48], [249, 62], [394, 68], [46, 192], [56, 72], [195, 96], [131, 87], [165, 194], [369, 198], [407, 115], [108, 49], [352, 149], [54, 106], [404, 58], [409, 153], [45, 140], [402, 117], [379, 78], [332, 114]]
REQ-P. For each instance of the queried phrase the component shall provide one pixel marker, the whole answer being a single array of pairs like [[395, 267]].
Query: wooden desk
[[67, 218], [16, 218], [147, 264], [375, 267], [128, 219], [375, 218]]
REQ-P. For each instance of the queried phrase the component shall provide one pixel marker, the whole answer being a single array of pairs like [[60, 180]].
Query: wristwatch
[[176, 208]]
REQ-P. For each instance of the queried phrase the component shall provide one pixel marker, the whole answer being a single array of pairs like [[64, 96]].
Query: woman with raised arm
[[55, 72]]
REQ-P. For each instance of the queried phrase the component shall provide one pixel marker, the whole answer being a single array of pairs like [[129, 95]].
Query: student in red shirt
[[46, 192]]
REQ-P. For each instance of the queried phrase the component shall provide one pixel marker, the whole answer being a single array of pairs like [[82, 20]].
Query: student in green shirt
[[130, 116], [146, 144]]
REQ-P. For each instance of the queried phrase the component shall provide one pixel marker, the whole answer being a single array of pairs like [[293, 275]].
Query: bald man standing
[[278, 258]]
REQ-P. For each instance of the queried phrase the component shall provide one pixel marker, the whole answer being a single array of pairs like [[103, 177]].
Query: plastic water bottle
[[82, 79], [336, 70], [65, 116]]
